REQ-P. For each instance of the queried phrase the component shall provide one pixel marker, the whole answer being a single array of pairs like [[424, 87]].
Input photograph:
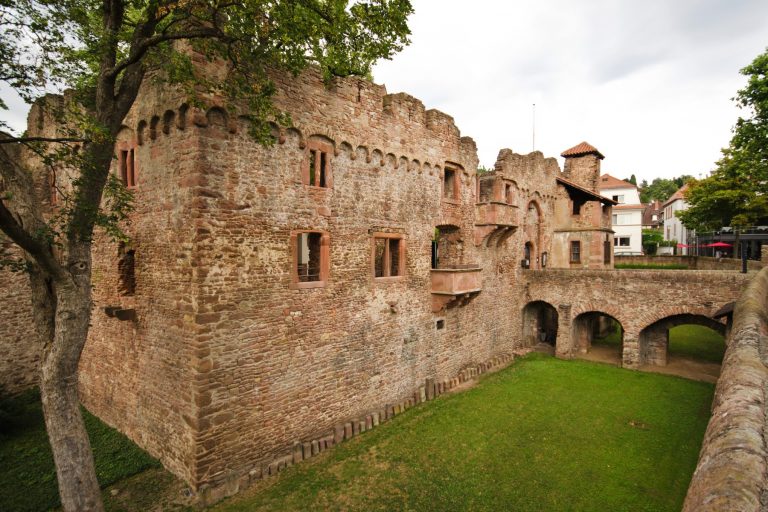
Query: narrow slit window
[[323, 160], [508, 193], [380, 249], [54, 194], [127, 166], [312, 166], [308, 257], [449, 184], [126, 268]]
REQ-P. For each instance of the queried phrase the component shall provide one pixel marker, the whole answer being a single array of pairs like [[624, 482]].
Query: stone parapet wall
[[692, 262], [732, 470]]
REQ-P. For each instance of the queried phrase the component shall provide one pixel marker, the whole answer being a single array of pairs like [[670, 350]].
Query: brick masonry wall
[[138, 374], [635, 298], [20, 349], [732, 470]]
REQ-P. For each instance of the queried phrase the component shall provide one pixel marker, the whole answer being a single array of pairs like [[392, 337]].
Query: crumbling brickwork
[[272, 295]]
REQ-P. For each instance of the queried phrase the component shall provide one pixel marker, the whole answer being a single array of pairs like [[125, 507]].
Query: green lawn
[[691, 341], [27, 474], [542, 435], [696, 342]]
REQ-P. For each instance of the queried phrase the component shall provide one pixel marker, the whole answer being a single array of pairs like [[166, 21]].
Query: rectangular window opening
[[449, 184], [394, 257], [312, 165], [440, 324], [323, 159], [124, 167], [577, 204], [131, 169], [576, 252], [508, 193], [380, 250], [308, 257], [387, 257]]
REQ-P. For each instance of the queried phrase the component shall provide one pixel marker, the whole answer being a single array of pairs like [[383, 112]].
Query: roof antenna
[[533, 129]]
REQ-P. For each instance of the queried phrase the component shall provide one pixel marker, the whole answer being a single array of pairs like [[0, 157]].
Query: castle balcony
[[456, 285], [494, 221]]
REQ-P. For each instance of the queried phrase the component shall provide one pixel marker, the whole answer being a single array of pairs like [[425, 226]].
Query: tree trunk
[[71, 308]]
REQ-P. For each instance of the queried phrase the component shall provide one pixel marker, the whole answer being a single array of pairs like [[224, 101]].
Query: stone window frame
[[575, 255], [325, 260], [456, 170], [402, 256], [323, 151], [127, 165]]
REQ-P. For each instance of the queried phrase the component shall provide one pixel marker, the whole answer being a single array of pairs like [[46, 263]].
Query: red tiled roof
[[650, 210], [607, 181], [680, 194], [585, 148]]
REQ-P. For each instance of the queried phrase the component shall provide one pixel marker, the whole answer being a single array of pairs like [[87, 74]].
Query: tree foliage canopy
[[736, 193], [660, 189]]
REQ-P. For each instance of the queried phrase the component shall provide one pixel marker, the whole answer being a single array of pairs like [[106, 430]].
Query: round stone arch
[[653, 341], [540, 322], [589, 324]]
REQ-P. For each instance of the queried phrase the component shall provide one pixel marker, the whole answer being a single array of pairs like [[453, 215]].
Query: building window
[[388, 258], [619, 198], [126, 269], [508, 193], [127, 167], [317, 165], [621, 241], [576, 206], [310, 255], [52, 190], [607, 251], [450, 184], [619, 219], [576, 252]]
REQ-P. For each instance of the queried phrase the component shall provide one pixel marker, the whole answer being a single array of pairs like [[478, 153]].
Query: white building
[[673, 228], [627, 215]]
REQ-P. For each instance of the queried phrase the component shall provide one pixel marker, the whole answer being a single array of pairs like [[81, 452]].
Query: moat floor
[[541, 435], [680, 366]]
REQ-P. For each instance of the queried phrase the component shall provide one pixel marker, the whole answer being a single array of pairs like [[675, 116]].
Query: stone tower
[[582, 165]]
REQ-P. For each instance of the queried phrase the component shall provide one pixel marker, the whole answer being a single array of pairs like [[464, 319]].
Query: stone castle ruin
[[275, 300]]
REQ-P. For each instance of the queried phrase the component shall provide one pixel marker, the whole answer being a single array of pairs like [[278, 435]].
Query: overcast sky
[[649, 83]]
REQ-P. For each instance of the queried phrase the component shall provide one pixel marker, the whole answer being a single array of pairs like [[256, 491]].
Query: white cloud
[[648, 83]]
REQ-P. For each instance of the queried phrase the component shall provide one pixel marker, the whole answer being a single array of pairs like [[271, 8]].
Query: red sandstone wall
[[138, 375], [732, 470], [20, 349]]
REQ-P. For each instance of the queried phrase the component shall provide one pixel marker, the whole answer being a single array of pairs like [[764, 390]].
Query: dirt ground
[[676, 365]]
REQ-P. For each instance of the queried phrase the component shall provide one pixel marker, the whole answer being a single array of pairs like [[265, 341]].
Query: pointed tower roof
[[585, 148]]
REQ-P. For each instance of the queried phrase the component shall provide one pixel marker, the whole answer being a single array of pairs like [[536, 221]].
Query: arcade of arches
[[638, 309]]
